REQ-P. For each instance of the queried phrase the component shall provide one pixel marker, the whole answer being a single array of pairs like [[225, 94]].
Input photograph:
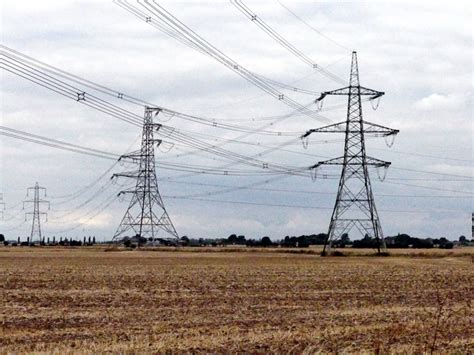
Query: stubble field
[[79, 300]]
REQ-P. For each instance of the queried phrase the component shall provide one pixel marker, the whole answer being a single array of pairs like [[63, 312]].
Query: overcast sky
[[418, 53]]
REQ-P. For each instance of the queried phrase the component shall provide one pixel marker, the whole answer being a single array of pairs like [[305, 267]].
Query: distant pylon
[[36, 221], [146, 215], [355, 206]]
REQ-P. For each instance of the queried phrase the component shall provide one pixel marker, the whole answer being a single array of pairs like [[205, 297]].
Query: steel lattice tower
[[36, 221], [146, 215], [355, 206]]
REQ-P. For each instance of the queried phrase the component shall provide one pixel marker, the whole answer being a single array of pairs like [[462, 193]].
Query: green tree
[[345, 240], [185, 240], [232, 239], [266, 242], [402, 240], [241, 240]]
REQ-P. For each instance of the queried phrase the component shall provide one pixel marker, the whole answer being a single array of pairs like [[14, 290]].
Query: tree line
[[304, 241]]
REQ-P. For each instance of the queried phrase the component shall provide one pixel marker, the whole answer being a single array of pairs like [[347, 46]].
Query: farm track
[[78, 300]]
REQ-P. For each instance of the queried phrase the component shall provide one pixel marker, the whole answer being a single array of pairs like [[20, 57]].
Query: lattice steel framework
[[146, 215], [355, 206], [36, 221]]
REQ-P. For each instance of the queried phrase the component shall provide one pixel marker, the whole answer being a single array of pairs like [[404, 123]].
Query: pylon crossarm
[[135, 155], [335, 161], [332, 128], [130, 174], [340, 161], [373, 128], [347, 91], [341, 91], [369, 92], [37, 188], [370, 128], [123, 192], [321, 97], [132, 160], [33, 213], [377, 162]]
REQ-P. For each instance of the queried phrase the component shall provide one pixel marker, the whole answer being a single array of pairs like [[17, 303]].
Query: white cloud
[[440, 102]]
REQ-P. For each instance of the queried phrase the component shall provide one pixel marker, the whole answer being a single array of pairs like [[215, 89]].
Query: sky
[[419, 53]]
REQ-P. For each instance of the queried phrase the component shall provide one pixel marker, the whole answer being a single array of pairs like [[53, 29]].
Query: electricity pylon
[[146, 215], [36, 221], [355, 206]]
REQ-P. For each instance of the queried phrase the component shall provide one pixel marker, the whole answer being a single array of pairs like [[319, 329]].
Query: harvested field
[[79, 300]]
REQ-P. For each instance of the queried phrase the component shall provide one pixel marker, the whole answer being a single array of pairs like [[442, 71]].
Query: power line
[[116, 111], [247, 187], [14, 133], [433, 173], [129, 117], [313, 28], [41, 74], [25, 136], [430, 187], [244, 9], [101, 209], [99, 192], [116, 93], [164, 21], [425, 155], [268, 170], [235, 202]]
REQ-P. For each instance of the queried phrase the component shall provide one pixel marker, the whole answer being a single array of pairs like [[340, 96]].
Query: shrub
[[448, 245]]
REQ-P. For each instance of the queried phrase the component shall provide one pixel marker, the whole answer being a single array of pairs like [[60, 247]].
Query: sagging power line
[[158, 17], [244, 9]]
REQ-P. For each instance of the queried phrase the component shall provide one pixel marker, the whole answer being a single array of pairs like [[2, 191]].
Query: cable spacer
[[81, 96]]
